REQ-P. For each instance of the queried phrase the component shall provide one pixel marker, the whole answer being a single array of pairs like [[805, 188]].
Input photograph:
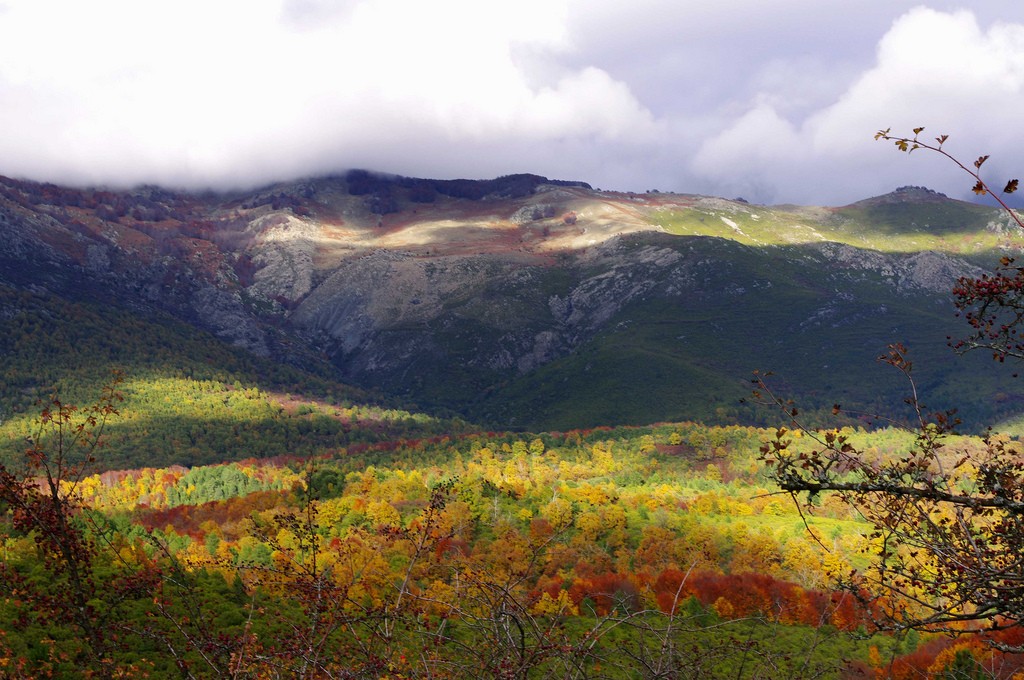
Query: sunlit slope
[[189, 398], [908, 220]]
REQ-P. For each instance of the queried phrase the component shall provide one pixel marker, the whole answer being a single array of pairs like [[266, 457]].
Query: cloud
[[735, 98], [196, 93], [936, 69]]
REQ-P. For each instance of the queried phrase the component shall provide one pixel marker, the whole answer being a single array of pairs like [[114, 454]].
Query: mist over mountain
[[528, 302]]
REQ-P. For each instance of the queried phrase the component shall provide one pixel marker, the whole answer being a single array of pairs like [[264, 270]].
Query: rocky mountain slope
[[528, 302]]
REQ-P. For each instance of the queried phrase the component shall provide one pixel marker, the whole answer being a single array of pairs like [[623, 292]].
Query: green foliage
[[664, 359], [584, 516], [189, 399]]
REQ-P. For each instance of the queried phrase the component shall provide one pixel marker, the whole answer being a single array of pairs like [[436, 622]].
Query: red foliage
[[669, 590], [450, 545], [607, 591], [752, 594], [228, 514]]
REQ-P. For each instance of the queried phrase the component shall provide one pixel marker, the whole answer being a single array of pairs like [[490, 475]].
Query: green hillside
[[784, 309], [895, 223], [189, 398], [551, 306]]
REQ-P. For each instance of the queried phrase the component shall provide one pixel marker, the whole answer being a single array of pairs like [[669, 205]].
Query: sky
[[775, 102]]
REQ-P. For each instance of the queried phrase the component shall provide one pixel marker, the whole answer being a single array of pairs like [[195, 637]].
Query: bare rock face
[[283, 254], [623, 277], [384, 308], [533, 213], [934, 272], [547, 346], [223, 312], [343, 306], [23, 235], [928, 271]]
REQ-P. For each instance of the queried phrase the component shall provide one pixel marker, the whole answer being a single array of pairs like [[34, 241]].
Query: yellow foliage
[[945, 658], [382, 513], [438, 598], [874, 657], [775, 507], [558, 512], [614, 516], [456, 519], [603, 459], [591, 493], [662, 496], [194, 556], [809, 565], [331, 511], [589, 524], [756, 552], [286, 539], [554, 606]]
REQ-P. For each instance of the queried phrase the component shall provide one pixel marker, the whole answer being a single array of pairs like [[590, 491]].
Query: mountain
[[527, 302]]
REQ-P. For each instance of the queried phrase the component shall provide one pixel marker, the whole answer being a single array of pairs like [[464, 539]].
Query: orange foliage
[[229, 515], [607, 592]]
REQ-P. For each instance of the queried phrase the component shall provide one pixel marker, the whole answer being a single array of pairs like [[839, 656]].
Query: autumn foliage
[[424, 558]]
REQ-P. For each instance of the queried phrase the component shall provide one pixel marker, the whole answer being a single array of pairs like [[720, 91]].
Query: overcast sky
[[773, 101]]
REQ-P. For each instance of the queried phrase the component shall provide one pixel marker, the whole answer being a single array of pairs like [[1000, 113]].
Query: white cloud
[[738, 97], [231, 92], [936, 69]]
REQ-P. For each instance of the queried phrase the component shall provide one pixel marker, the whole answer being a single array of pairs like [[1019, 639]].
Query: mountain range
[[517, 302]]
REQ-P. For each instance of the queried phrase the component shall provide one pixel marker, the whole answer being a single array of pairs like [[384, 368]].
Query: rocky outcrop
[[928, 271], [223, 312], [283, 256]]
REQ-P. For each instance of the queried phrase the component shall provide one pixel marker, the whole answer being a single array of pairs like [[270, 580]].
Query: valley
[[376, 426]]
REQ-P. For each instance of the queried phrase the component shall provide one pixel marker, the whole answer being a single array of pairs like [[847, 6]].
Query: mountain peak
[[907, 194]]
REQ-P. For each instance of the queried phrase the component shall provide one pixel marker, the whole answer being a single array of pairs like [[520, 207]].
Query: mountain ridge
[[474, 294]]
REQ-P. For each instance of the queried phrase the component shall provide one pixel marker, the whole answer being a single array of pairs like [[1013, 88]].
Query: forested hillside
[[607, 553], [189, 398]]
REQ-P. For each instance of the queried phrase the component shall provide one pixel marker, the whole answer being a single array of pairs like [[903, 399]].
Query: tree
[[948, 518], [84, 586]]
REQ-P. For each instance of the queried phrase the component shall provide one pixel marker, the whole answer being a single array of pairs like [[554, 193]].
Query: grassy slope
[[189, 398], [946, 226]]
